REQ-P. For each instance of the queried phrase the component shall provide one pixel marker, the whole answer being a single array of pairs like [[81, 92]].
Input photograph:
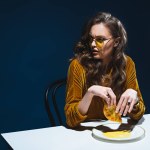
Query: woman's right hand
[[105, 93]]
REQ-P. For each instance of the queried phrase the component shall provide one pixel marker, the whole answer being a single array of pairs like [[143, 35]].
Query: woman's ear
[[116, 42]]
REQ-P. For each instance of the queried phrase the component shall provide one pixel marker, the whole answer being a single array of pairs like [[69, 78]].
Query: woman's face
[[102, 42]]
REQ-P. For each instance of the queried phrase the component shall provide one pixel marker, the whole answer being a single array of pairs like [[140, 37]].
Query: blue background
[[36, 42]]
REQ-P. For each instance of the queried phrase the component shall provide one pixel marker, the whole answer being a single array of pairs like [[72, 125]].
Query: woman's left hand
[[127, 100]]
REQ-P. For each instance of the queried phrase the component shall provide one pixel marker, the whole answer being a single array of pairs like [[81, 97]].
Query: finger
[[131, 106], [119, 104], [108, 102], [115, 101], [129, 102], [112, 96], [126, 110], [123, 106], [106, 98]]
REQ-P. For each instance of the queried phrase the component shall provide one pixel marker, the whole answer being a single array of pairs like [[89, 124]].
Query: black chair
[[51, 93]]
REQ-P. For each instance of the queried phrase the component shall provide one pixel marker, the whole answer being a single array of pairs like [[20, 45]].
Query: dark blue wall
[[36, 42]]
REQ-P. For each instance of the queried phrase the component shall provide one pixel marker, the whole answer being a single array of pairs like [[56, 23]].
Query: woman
[[101, 74]]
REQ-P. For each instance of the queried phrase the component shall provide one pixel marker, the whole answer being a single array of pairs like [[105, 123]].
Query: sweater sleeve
[[132, 82], [74, 92]]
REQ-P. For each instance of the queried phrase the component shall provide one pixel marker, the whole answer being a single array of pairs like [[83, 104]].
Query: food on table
[[117, 134], [110, 113]]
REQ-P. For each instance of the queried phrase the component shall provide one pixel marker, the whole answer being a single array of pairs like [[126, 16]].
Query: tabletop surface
[[61, 138]]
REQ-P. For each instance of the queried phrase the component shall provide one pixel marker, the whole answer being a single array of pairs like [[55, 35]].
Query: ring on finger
[[129, 103]]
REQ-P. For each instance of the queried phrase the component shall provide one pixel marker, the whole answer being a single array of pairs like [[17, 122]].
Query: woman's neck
[[106, 61], [106, 64]]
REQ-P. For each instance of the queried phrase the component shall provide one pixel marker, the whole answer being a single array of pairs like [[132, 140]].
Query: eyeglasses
[[99, 41]]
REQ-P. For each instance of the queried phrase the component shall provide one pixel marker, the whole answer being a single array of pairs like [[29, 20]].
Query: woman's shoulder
[[74, 61], [130, 65], [76, 64], [129, 60]]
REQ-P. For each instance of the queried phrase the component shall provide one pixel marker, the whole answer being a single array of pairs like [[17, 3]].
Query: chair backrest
[[50, 93]]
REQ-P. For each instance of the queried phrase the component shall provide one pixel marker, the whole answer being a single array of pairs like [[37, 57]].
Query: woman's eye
[[100, 40]]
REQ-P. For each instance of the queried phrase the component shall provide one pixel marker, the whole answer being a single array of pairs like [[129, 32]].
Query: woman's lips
[[95, 52]]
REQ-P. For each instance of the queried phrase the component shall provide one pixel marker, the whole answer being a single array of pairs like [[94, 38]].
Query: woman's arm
[[132, 83], [78, 97], [74, 93]]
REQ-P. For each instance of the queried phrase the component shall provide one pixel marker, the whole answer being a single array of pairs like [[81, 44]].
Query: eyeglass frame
[[95, 39]]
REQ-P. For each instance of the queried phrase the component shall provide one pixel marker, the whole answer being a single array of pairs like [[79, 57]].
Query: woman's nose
[[93, 43]]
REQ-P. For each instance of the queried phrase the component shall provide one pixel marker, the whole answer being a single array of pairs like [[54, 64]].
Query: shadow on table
[[124, 126]]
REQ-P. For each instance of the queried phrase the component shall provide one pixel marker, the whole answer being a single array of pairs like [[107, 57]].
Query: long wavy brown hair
[[114, 75]]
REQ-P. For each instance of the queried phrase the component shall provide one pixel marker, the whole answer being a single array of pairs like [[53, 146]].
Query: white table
[[61, 138]]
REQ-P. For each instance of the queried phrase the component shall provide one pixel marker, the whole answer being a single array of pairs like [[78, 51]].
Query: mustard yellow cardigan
[[76, 88]]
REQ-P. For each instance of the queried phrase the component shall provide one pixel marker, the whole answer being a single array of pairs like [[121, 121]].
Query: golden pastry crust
[[110, 113]]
